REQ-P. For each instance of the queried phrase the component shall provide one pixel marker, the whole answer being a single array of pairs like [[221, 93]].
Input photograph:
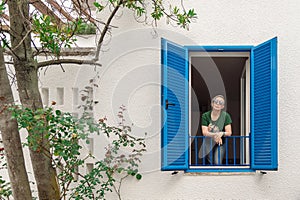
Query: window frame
[[233, 52], [272, 53], [220, 49]]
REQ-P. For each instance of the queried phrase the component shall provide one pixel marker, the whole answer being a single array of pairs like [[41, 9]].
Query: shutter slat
[[264, 106], [174, 89]]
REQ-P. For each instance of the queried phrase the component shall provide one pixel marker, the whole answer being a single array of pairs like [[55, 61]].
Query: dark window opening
[[211, 76]]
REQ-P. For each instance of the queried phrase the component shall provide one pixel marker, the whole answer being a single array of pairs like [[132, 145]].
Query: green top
[[218, 125]]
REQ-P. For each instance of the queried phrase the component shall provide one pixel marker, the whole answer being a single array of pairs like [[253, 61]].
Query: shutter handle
[[169, 104]]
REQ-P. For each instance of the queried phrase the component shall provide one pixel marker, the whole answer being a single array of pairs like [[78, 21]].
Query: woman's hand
[[218, 138]]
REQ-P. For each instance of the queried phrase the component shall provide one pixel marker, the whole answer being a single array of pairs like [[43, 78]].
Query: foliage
[[66, 134], [5, 190], [85, 28], [2, 7], [158, 10], [53, 36]]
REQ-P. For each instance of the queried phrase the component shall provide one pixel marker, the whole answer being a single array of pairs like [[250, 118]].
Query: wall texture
[[131, 76]]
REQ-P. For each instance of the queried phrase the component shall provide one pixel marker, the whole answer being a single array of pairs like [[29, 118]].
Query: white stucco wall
[[131, 76]]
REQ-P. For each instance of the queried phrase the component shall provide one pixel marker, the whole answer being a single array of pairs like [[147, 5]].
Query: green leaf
[[133, 173], [98, 6], [58, 112], [138, 176]]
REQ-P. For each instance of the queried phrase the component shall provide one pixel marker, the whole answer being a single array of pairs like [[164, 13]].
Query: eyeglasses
[[220, 102]]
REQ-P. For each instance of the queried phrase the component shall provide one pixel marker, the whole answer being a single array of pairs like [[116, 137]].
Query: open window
[[247, 76], [226, 73]]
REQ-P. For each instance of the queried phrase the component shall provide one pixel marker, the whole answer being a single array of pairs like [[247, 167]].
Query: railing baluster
[[211, 152], [242, 150], [234, 152], [203, 151], [226, 150], [196, 150], [219, 155]]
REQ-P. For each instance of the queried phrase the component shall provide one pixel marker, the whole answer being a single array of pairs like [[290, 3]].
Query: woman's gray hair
[[219, 95]]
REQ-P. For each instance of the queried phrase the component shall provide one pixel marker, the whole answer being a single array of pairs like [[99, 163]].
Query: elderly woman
[[216, 124]]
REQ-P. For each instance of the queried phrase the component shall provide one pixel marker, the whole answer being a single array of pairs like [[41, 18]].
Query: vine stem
[[118, 190]]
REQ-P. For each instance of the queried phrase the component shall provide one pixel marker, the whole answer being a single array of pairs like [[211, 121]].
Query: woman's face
[[217, 103]]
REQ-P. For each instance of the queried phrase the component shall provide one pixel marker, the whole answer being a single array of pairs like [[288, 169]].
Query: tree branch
[[105, 29], [60, 9], [4, 28], [67, 61], [43, 8], [9, 63], [5, 16], [83, 11]]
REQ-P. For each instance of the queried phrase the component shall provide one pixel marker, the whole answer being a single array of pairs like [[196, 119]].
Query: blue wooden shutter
[[264, 106], [175, 106]]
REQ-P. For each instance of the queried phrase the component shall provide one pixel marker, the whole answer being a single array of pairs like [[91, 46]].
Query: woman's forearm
[[211, 134]]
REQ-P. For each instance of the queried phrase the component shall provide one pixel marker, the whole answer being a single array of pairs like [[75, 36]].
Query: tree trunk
[[45, 174], [27, 80], [11, 139]]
